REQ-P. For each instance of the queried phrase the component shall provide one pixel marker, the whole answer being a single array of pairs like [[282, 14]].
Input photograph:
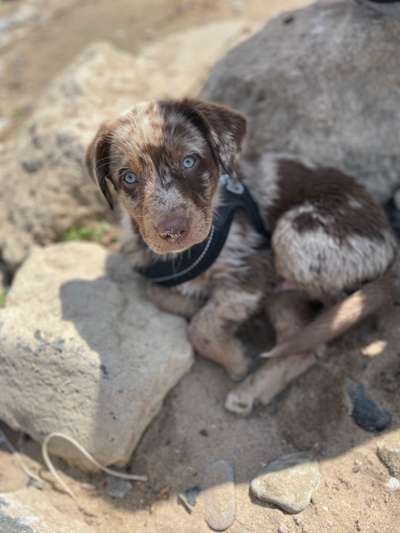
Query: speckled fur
[[328, 235]]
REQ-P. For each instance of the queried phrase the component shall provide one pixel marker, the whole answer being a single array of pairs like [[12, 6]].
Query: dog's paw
[[239, 402]]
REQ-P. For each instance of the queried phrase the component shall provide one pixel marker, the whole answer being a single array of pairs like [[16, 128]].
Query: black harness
[[197, 259]]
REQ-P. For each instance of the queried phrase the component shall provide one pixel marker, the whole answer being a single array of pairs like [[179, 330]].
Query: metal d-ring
[[231, 184]]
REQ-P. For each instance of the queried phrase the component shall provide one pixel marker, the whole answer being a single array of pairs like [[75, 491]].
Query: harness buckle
[[232, 185]]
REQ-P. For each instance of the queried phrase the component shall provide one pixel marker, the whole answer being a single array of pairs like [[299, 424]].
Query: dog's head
[[164, 159]]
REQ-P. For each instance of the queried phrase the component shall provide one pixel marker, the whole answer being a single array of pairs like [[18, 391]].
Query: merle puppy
[[219, 247]]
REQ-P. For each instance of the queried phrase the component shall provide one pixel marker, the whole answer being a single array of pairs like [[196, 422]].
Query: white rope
[[88, 456], [18, 458]]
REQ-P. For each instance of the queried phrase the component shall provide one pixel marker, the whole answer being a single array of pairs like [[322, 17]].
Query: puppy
[[329, 241]]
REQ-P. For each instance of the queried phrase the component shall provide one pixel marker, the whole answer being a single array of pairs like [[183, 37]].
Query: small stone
[[389, 453], [283, 529], [356, 466], [32, 165], [393, 484], [365, 412], [297, 522], [191, 495], [117, 488], [288, 482], [188, 498], [374, 348], [219, 496]]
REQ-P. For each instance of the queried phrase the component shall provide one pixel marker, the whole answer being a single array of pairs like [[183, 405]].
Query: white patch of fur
[[315, 260], [355, 204], [263, 180]]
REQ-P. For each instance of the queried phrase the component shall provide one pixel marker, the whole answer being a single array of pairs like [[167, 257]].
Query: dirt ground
[[193, 428], [54, 38]]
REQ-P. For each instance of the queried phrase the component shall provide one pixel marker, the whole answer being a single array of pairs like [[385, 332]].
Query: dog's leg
[[212, 329], [271, 379], [288, 311], [171, 301]]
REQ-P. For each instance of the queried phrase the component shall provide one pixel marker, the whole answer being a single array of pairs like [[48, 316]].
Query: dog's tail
[[338, 319]]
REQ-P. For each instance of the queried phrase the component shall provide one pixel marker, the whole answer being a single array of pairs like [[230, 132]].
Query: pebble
[[188, 498], [32, 165], [117, 488], [283, 529], [288, 482], [219, 495], [393, 484], [389, 453], [365, 412], [374, 348]]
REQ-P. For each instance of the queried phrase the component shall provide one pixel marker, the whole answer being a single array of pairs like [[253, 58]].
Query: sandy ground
[[29, 63], [193, 427]]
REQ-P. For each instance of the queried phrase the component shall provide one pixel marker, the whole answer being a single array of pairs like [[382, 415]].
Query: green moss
[[3, 297], [85, 233]]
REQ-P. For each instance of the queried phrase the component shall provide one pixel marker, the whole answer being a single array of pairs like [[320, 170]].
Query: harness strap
[[197, 259]]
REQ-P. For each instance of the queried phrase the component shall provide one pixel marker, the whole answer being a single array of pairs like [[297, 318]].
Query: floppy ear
[[224, 129], [98, 161]]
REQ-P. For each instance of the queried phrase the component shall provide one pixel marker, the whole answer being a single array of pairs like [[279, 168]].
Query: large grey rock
[[288, 482], [43, 179], [83, 352], [321, 82]]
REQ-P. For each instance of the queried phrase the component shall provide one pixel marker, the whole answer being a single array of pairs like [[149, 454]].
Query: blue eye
[[129, 178], [188, 162]]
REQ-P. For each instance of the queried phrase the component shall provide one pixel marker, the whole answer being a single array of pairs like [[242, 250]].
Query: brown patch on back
[[332, 200]]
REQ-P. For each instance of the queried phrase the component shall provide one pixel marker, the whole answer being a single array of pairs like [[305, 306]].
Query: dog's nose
[[173, 228]]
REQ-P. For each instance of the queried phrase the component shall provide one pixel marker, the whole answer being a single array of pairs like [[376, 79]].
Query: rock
[[27, 511], [188, 498], [389, 453], [320, 82], [365, 412], [117, 488], [44, 183], [83, 352], [374, 348], [21, 19], [390, 8], [219, 496], [12, 523], [393, 484], [288, 482]]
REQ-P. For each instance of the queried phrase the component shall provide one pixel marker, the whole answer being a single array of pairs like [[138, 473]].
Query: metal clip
[[232, 185]]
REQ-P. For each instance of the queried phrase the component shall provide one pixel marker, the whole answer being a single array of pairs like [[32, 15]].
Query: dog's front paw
[[239, 402]]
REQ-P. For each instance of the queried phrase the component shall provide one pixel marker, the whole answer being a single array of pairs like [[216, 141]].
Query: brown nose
[[173, 228]]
